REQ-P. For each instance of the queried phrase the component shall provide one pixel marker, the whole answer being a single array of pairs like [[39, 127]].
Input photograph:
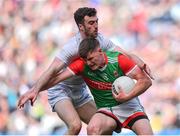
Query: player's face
[[95, 59], [90, 26]]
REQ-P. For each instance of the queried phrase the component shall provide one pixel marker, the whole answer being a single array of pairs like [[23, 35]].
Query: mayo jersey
[[100, 81], [69, 52]]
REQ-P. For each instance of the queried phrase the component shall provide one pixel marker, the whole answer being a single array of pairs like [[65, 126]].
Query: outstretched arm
[[50, 77], [138, 61], [54, 68]]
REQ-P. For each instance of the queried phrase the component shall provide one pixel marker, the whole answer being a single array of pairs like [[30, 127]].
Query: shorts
[[78, 94], [125, 114]]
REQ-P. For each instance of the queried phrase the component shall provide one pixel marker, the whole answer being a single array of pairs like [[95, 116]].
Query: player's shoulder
[[102, 39], [121, 56], [79, 61], [100, 36], [73, 40], [126, 61], [77, 65]]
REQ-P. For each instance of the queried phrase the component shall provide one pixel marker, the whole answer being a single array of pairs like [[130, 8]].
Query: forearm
[[59, 77], [141, 86], [43, 83], [45, 80], [51, 82]]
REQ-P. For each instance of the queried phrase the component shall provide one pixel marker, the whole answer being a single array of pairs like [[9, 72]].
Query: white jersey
[[69, 52]]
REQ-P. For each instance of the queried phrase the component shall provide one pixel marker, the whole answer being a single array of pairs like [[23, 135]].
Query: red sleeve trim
[[125, 63], [77, 66]]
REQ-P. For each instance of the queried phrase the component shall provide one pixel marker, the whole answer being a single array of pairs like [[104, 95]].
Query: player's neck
[[83, 35]]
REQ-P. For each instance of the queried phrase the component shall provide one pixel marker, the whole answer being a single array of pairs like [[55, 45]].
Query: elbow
[[148, 82]]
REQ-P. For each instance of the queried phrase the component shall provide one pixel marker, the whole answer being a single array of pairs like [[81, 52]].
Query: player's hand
[[147, 69], [30, 95], [121, 96]]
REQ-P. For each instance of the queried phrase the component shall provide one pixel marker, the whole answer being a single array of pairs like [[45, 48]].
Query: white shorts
[[79, 95], [125, 114]]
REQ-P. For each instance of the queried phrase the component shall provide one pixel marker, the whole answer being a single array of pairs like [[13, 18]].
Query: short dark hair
[[80, 13], [87, 45]]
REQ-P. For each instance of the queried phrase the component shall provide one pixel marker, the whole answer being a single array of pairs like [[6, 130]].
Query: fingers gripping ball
[[125, 83]]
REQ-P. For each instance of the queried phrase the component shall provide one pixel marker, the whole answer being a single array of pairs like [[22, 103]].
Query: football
[[123, 82]]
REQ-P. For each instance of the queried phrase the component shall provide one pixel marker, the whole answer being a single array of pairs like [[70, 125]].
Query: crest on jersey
[[116, 74]]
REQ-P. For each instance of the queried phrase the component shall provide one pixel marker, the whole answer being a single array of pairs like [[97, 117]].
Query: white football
[[123, 82]]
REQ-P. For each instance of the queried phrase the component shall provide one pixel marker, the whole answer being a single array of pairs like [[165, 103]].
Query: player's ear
[[81, 27]]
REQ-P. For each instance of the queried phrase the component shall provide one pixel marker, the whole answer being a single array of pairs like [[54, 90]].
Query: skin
[[100, 123], [89, 28], [85, 112], [90, 25], [94, 59]]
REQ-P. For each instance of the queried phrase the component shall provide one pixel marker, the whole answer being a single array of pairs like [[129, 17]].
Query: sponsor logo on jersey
[[98, 85]]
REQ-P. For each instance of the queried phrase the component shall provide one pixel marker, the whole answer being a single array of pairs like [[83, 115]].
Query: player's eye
[[91, 22]]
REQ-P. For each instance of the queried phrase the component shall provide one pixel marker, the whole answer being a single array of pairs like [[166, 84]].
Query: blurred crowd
[[32, 32]]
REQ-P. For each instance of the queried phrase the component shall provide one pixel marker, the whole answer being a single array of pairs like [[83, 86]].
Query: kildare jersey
[[100, 81]]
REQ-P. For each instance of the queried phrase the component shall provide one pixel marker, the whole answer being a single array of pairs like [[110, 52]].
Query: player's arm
[[33, 93], [133, 71], [57, 77], [74, 68], [42, 83], [48, 75], [62, 58], [142, 84], [137, 60], [109, 45]]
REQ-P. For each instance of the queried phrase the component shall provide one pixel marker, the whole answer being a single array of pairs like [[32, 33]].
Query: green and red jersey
[[100, 81]]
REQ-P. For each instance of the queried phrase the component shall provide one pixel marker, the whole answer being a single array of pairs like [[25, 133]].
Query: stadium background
[[32, 31]]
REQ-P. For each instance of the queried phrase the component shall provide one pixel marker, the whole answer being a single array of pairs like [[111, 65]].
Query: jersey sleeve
[[77, 66], [126, 64], [69, 51], [105, 43]]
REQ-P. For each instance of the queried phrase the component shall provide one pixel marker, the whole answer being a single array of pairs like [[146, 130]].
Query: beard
[[90, 35]]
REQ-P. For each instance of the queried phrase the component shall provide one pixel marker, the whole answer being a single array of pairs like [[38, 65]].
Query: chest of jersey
[[100, 81]]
